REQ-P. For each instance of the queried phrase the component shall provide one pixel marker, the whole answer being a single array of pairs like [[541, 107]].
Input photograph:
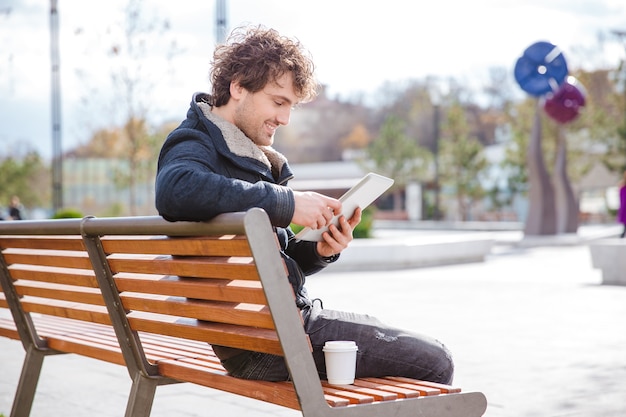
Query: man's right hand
[[313, 209]]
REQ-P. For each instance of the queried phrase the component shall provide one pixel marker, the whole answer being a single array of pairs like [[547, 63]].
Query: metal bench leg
[[27, 385], [141, 396]]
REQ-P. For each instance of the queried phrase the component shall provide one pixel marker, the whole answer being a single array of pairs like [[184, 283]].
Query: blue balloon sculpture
[[541, 69]]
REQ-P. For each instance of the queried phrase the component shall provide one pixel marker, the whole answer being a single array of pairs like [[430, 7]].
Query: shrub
[[67, 214]]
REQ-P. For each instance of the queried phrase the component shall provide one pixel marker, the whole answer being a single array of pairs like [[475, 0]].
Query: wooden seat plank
[[62, 325], [334, 401], [200, 349], [195, 347], [103, 336], [3, 300], [8, 329], [276, 393], [101, 351], [442, 387], [260, 340], [400, 391], [68, 243], [204, 288], [67, 259], [157, 347], [208, 361], [254, 315], [68, 276], [351, 396], [60, 292], [77, 311], [213, 267], [227, 245], [377, 395]]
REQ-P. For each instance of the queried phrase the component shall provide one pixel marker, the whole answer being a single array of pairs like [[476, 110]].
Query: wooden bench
[[152, 295]]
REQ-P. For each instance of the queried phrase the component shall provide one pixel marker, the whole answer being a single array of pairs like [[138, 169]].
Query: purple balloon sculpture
[[541, 69], [564, 105]]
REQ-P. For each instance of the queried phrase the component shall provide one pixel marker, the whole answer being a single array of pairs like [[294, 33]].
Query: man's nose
[[284, 115]]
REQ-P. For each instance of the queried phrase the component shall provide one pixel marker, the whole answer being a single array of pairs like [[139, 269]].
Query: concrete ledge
[[398, 253], [609, 255]]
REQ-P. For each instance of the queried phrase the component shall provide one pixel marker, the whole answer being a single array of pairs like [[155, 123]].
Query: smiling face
[[259, 114]]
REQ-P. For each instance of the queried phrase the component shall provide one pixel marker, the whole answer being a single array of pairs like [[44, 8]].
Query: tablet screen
[[368, 189]]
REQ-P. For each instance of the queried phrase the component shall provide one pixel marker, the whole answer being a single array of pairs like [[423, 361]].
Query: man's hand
[[338, 238], [314, 210]]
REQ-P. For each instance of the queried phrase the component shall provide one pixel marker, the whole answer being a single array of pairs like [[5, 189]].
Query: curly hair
[[257, 56]]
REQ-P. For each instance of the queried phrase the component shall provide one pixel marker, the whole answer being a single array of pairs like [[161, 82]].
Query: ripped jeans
[[382, 350]]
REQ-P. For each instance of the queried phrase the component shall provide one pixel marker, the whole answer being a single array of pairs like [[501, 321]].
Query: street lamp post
[[57, 155], [436, 133]]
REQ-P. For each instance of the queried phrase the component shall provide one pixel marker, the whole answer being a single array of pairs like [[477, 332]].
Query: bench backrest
[[204, 281], [51, 275], [204, 287]]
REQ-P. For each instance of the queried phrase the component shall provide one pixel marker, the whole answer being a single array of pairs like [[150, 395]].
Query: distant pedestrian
[[15, 209], [621, 213]]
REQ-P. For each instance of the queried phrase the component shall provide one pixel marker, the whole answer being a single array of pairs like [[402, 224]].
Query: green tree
[[27, 178], [394, 154], [514, 165], [462, 161], [603, 119]]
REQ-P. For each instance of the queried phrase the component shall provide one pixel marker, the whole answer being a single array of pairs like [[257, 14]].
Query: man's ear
[[236, 90]]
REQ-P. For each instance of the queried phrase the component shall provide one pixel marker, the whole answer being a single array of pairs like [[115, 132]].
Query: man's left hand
[[336, 239]]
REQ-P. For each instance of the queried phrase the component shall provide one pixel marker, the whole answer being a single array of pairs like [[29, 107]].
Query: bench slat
[[79, 346], [7, 326], [154, 351], [249, 338], [211, 267], [402, 392], [65, 259], [350, 396], [47, 325], [227, 245], [375, 394], [3, 300], [193, 347], [68, 276], [254, 315], [441, 387], [158, 347], [70, 243], [203, 289], [59, 292], [195, 371], [76, 311]]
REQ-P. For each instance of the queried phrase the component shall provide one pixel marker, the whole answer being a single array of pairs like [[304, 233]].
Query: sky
[[357, 46]]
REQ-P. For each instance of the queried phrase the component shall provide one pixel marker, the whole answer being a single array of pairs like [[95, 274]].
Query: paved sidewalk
[[531, 327]]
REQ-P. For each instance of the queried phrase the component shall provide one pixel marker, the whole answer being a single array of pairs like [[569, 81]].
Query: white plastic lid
[[339, 345]]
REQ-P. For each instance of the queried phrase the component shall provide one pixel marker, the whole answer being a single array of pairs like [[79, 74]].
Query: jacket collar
[[239, 144]]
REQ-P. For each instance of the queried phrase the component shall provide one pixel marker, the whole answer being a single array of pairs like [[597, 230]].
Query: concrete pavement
[[531, 327]]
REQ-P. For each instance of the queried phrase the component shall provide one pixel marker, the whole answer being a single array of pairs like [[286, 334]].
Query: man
[[220, 159]]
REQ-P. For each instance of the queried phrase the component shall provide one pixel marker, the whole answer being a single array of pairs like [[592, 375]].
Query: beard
[[246, 119]]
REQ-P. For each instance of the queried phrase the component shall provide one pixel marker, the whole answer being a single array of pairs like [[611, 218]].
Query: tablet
[[368, 189]]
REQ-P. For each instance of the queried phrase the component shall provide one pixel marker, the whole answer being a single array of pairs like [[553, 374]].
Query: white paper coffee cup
[[340, 358]]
